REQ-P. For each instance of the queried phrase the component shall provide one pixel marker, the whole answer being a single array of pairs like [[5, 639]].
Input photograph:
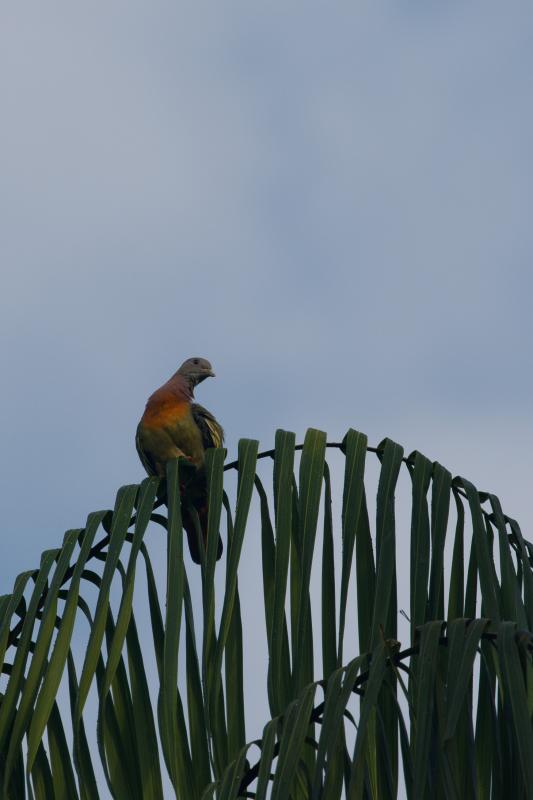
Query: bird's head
[[196, 370]]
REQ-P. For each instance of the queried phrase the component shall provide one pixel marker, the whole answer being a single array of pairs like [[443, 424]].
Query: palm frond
[[95, 702]]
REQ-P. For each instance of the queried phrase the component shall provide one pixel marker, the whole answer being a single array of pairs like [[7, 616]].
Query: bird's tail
[[192, 537]]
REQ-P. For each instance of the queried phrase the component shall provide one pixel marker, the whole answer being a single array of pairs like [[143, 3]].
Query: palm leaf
[[171, 696]]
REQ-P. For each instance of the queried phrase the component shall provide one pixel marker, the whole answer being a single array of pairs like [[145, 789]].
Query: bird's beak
[[210, 374]]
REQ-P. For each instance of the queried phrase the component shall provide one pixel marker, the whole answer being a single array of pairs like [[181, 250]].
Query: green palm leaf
[[166, 703]]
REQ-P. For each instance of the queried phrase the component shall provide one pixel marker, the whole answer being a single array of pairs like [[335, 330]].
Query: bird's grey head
[[196, 370]]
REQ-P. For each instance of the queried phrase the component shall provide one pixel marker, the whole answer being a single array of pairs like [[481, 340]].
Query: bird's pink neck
[[179, 387]]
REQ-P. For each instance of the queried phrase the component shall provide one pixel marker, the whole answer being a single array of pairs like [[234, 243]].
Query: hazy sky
[[330, 201]]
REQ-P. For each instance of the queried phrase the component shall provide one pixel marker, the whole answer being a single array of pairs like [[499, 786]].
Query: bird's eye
[[195, 361]]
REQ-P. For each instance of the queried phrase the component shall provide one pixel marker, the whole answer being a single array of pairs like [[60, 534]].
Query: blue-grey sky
[[330, 201]]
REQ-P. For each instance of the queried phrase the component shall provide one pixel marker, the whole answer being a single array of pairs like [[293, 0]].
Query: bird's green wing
[[146, 461], [211, 430]]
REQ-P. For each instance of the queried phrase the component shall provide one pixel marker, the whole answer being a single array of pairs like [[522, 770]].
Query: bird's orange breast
[[164, 410]]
